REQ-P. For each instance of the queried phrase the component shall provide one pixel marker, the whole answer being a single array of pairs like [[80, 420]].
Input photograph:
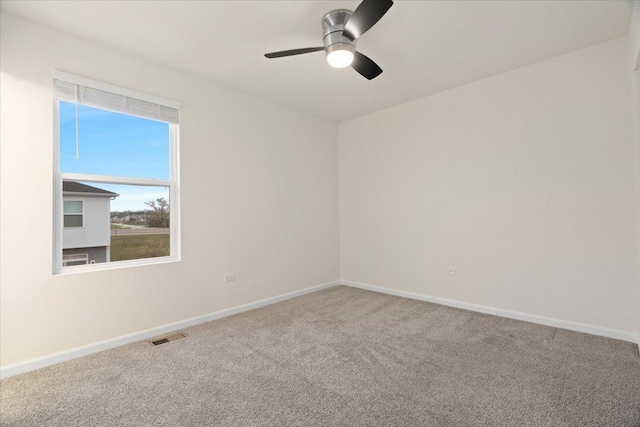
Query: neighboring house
[[147, 217], [136, 218], [86, 233]]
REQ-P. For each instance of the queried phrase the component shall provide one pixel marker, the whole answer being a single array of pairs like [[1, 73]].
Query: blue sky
[[118, 145]]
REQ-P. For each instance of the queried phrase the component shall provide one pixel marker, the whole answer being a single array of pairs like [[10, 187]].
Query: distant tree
[[160, 213]]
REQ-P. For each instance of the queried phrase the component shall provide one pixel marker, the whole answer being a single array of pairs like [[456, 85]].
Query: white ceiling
[[423, 47]]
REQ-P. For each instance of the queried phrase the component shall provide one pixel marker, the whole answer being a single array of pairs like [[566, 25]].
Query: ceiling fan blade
[[293, 52], [365, 16], [365, 66]]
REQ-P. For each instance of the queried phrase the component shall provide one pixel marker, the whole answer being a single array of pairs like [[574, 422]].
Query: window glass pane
[[140, 218], [121, 222], [72, 206], [112, 144], [73, 220]]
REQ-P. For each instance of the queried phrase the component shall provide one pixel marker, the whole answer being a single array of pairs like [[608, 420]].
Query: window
[[75, 259], [73, 211], [116, 189]]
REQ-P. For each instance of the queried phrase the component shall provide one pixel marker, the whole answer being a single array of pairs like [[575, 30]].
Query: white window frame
[[76, 214], [173, 183]]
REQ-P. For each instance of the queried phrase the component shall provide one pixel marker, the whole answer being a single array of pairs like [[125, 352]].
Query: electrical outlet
[[453, 272], [229, 277]]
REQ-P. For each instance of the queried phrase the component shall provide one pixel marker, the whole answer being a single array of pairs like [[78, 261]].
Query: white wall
[[634, 43], [95, 230], [525, 182], [636, 92], [259, 198], [634, 36]]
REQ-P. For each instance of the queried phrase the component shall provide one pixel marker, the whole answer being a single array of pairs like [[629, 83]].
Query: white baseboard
[[52, 359], [547, 321]]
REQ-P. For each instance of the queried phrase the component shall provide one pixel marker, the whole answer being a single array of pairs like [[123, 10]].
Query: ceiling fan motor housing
[[333, 23]]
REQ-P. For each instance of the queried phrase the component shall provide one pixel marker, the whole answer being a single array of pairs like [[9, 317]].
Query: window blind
[[83, 95]]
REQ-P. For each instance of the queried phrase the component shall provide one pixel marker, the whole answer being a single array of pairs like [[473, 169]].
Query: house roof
[[78, 188]]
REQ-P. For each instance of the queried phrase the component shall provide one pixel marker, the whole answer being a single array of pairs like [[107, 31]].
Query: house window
[[73, 212], [75, 259], [116, 189]]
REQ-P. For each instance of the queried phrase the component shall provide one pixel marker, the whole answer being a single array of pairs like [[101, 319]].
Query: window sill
[[115, 265]]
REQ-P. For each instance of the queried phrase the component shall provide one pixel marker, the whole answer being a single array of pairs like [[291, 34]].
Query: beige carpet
[[342, 356]]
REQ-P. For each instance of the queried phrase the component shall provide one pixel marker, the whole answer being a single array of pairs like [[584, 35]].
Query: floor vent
[[172, 337]]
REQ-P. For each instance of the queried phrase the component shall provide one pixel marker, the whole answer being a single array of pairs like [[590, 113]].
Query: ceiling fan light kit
[[340, 56], [340, 49], [341, 31]]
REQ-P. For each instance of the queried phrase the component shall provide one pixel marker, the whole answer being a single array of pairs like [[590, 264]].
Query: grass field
[[119, 227], [139, 246]]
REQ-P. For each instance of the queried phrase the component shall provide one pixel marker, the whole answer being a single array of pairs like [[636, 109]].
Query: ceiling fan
[[342, 28]]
